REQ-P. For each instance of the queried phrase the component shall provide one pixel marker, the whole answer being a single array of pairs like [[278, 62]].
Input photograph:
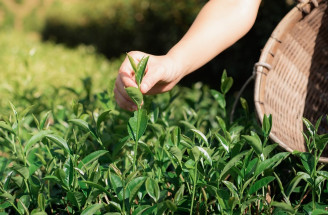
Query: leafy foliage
[[176, 154]]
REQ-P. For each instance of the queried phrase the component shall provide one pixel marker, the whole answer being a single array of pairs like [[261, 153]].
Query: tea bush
[[178, 154], [45, 74]]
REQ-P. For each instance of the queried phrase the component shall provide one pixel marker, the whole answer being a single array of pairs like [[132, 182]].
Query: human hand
[[161, 75]]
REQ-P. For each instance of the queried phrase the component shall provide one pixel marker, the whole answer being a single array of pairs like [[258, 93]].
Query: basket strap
[[256, 65]]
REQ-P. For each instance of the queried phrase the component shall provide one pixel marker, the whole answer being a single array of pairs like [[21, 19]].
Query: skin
[[219, 24]]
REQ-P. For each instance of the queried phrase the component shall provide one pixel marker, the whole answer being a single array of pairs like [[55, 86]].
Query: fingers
[[151, 78], [125, 79]]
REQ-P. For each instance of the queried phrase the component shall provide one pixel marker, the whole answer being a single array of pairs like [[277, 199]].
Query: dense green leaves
[[135, 95]]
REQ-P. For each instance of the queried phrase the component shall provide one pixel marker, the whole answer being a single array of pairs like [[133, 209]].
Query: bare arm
[[219, 24]]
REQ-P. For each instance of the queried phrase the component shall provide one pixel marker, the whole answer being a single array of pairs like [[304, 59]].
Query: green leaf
[[23, 204], [102, 117], [170, 205], [152, 189], [232, 163], [260, 183], [224, 143], [205, 154], [295, 181], [133, 64], [232, 188], [91, 158], [255, 143], [200, 136], [98, 186], [137, 124], [77, 199], [22, 170], [196, 153], [226, 84], [41, 201], [117, 184], [270, 163], [84, 125], [141, 68], [176, 152], [308, 162], [44, 120], [219, 97], [309, 126], [267, 124], [134, 186], [244, 104], [6, 127], [179, 194], [92, 209], [284, 206], [141, 209], [35, 138], [59, 142], [176, 136], [135, 94]]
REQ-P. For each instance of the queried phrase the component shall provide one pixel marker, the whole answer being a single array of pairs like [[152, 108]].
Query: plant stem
[[194, 189]]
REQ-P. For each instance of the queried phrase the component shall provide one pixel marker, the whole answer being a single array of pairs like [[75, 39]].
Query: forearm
[[219, 24]]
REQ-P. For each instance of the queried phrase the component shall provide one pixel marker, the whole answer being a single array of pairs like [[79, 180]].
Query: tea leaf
[[22, 170], [309, 126], [170, 205], [59, 142], [84, 125], [295, 181], [102, 117], [223, 142], [6, 127], [41, 202], [141, 69], [176, 136], [200, 135], [176, 152], [133, 64], [219, 97], [98, 186], [231, 163], [141, 209], [35, 138], [255, 143], [308, 162], [244, 104], [270, 163], [179, 194], [92, 209], [267, 124], [23, 204], [133, 187], [205, 155], [91, 157], [260, 183], [137, 124], [135, 94], [226, 83], [44, 120], [76, 198], [152, 189], [286, 207]]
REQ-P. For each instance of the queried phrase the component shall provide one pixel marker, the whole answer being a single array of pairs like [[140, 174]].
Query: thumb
[[151, 79]]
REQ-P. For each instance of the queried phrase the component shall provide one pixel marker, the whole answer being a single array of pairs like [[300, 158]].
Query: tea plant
[[175, 155]]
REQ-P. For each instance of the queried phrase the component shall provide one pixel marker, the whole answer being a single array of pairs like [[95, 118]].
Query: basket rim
[[291, 18]]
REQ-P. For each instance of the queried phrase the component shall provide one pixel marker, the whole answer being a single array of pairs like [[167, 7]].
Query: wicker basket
[[292, 79]]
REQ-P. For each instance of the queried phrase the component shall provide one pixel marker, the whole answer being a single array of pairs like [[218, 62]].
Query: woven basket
[[292, 75]]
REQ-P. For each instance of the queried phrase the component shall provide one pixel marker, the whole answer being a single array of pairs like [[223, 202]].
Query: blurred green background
[[61, 42]]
